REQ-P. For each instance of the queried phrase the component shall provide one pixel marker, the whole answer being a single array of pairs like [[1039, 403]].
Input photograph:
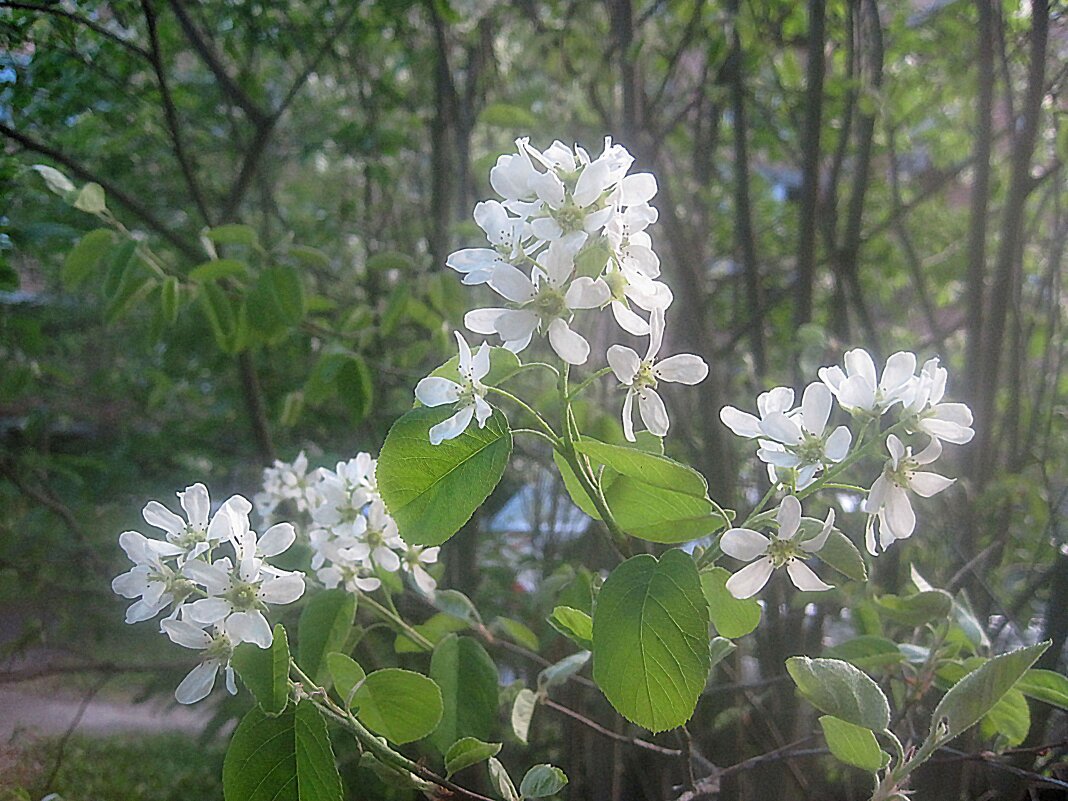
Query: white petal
[[898, 514], [876, 495], [832, 377], [158, 515], [897, 450], [452, 427], [789, 517], [928, 484], [656, 333], [463, 357], [516, 324], [131, 584], [857, 393], [653, 413], [778, 457], [423, 580], [803, 577], [587, 293], [817, 542], [282, 590], [249, 627], [624, 363], [741, 423], [779, 427], [477, 261], [637, 189], [593, 181], [838, 443], [512, 283], [779, 399], [569, 346], [685, 368], [437, 391], [628, 416], [859, 362], [196, 504], [816, 408], [628, 320], [386, 559], [208, 610], [751, 579], [198, 683], [277, 539], [482, 321], [231, 680], [480, 364], [946, 430], [213, 577], [899, 369], [744, 543], [186, 634]]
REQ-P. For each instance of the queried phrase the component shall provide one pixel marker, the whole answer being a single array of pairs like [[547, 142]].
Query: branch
[[597, 727], [80, 20], [190, 251]]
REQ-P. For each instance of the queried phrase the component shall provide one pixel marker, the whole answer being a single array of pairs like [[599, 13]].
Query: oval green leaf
[[732, 617], [542, 781], [401, 705], [432, 490], [650, 639], [468, 751], [649, 468], [325, 623], [522, 712], [853, 745], [839, 689], [265, 671], [468, 681]]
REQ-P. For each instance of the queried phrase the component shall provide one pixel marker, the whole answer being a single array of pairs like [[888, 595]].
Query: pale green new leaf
[[347, 675], [502, 781], [977, 693], [559, 672], [1045, 685], [574, 624], [853, 745], [401, 705], [650, 639], [732, 617], [522, 712], [841, 690], [468, 751], [542, 781]]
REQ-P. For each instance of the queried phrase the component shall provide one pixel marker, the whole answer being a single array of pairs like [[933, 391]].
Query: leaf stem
[[545, 427], [582, 387], [406, 628]]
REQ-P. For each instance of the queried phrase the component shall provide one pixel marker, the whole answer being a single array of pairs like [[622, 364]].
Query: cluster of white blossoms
[[284, 481], [351, 534], [797, 446], [568, 235], [216, 602]]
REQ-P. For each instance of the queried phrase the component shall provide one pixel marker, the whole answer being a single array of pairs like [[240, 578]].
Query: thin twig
[[597, 727]]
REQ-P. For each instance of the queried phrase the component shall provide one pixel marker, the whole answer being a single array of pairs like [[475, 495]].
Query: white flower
[[339, 503], [469, 394], [641, 376], [154, 584], [413, 562], [547, 301], [779, 399], [380, 541], [354, 574], [238, 595], [950, 422], [888, 501], [858, 390], [217, 650], [766, 554], [197, 535], [805, 447], [505, 233]]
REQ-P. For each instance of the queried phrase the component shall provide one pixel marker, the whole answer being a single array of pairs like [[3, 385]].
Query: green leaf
[[839, 689], [325, 623], [401, 705], [118, 265], [219, 268], [91, 199], [432, 490], [1010, 719], [650, 639], [468, 751], [344, 375], [346, 674], [169, 293], [389, 260], [840, 553], [522, 712], [732, 617], [649, 468], [309, 256], [853, 745], [574, 624], [517, 632], [660, 515], [232, 234], [220, 314], [468, 681], [508, 116], [918, 609], [867, 652], [542, 781], [501, 780], [455, 603], [719, 649], [265, 671], [276, 301], [559, 672], [1045, 685], [503, 365], [284, 758], [977, 693], [84, 257]]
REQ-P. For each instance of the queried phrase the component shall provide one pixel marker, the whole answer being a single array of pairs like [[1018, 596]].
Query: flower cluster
[[216, 602], [568, 235], [798, 448], [351, 534]]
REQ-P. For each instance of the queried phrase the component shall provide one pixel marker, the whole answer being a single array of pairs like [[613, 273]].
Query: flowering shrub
[[567, 240]]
